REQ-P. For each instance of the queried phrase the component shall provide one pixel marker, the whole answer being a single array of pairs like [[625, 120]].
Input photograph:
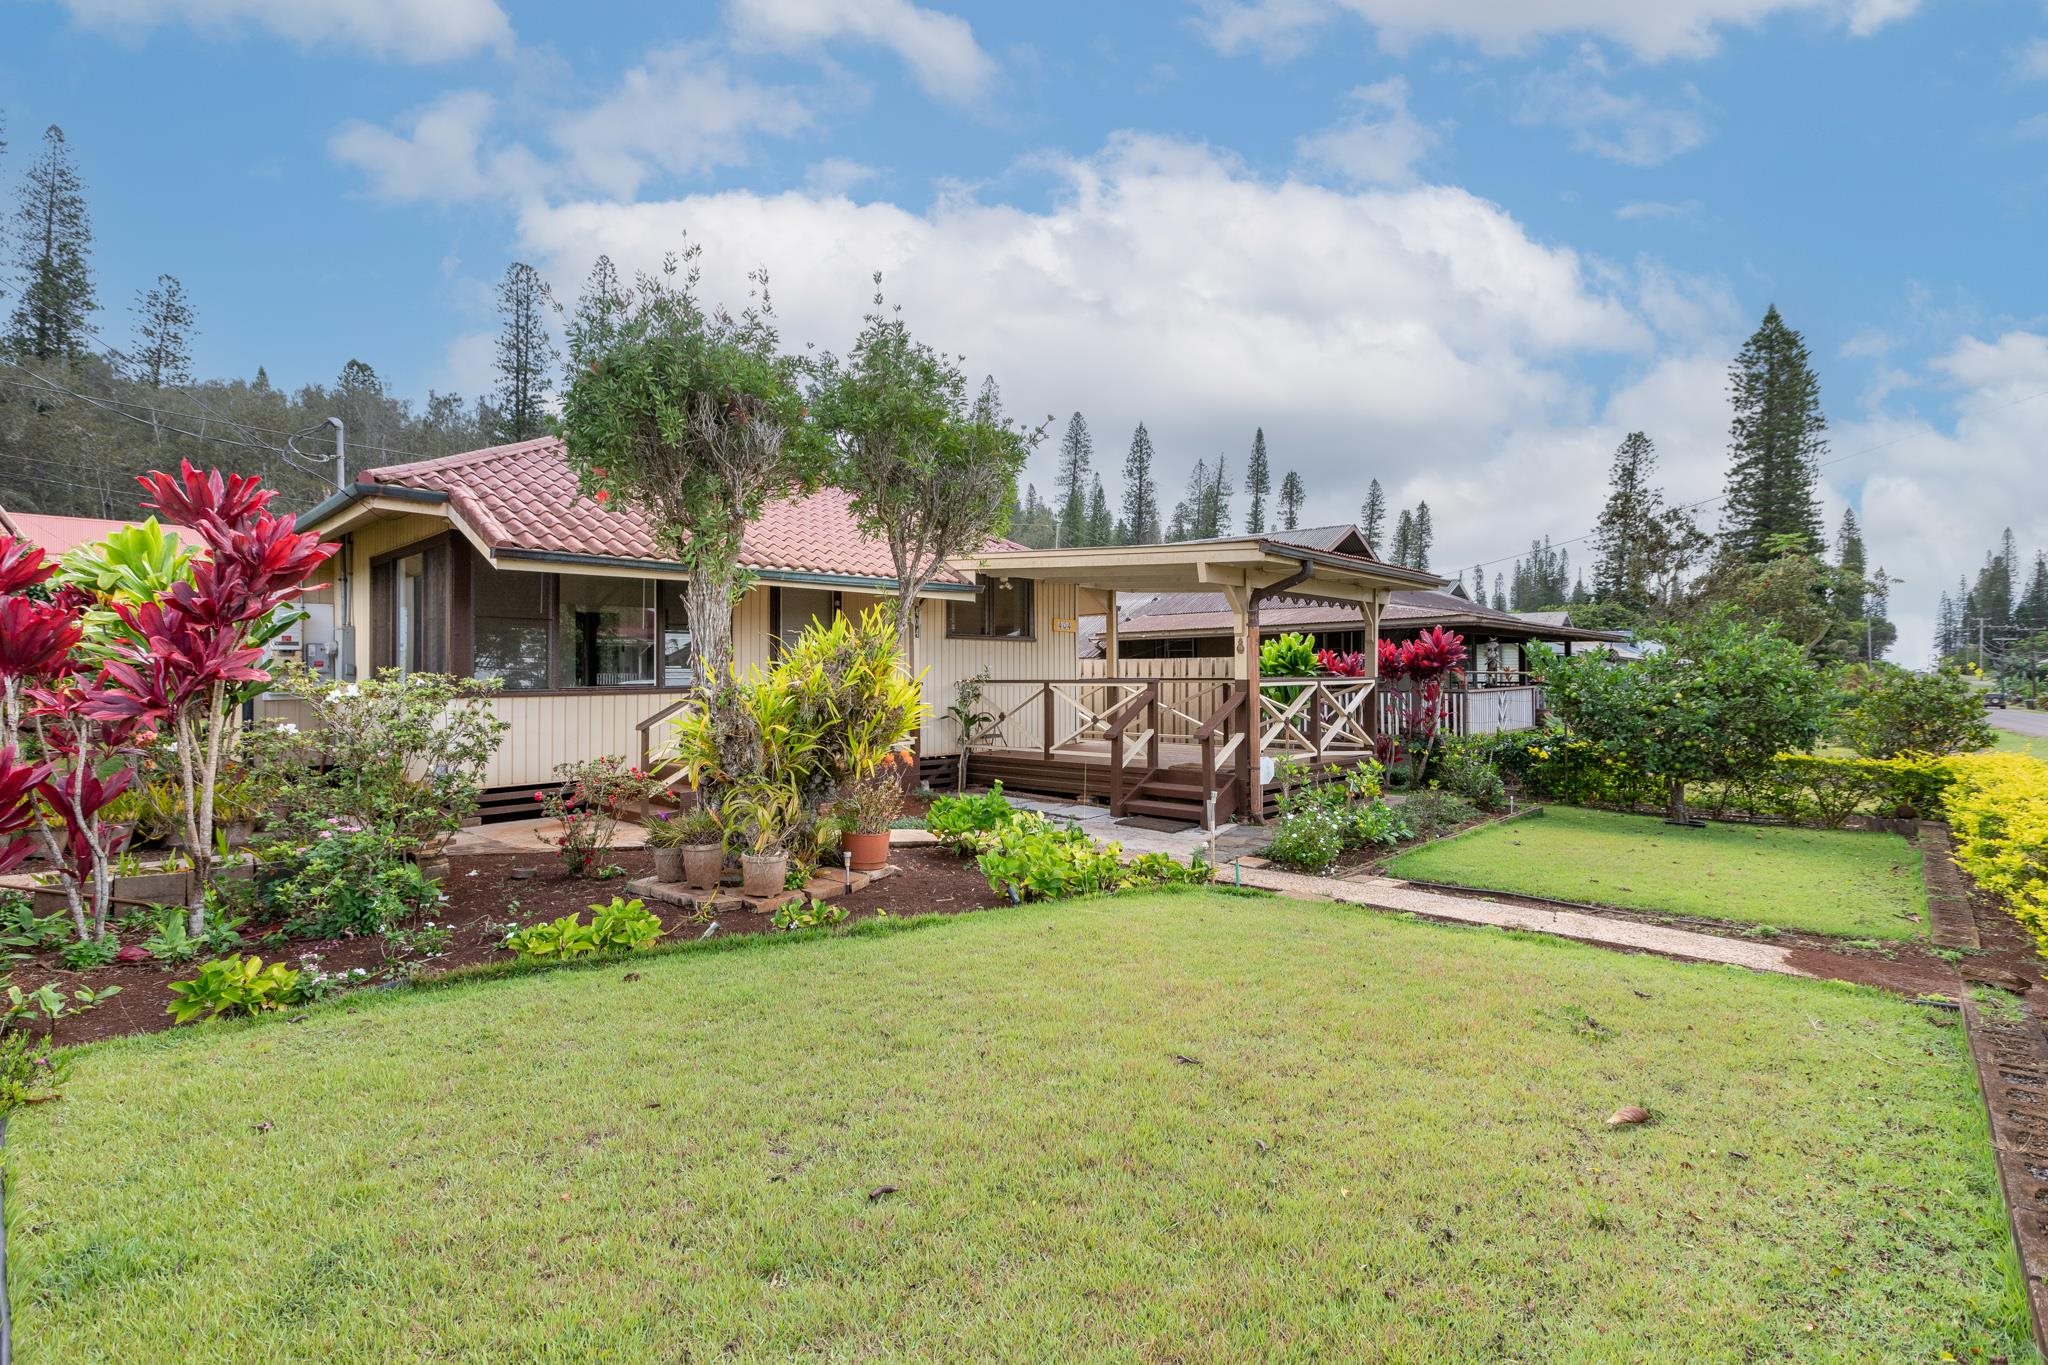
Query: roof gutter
[[357, 492], [681, 570], [1306, 556]]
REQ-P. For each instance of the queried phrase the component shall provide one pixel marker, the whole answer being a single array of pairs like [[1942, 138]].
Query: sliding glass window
[[511, 641], [605, 632]]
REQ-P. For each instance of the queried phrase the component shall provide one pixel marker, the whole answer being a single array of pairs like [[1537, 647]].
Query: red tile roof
[[60, 535], [525, 497]]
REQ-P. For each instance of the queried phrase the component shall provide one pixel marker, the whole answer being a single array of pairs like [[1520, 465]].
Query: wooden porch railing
[[1144, 749], [1317, 717], [1225, 720]]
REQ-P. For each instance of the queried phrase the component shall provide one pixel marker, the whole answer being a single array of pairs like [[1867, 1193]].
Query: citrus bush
[[1998, 812]]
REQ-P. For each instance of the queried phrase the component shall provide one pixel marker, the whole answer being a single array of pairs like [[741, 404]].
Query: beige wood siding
[[946, 663]]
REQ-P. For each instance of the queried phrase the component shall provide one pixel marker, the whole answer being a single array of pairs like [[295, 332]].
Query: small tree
[[928, 474], [1720, 701], [1887, 711], [694, 418]]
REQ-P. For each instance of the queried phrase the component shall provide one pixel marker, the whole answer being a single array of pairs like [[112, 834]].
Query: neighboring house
[[1500, 694], [59, 536], [493, 564]]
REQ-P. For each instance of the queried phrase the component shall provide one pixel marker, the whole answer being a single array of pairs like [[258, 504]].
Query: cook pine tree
[[1071, 481], [1776, 439], [526, 353], [1292, 495], [1141, 491], [1625, 539], [163, 334], [53, 247], [1258, 484], [1372, 517]]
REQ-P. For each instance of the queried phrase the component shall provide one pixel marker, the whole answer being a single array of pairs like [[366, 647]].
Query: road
[[2034, 723]]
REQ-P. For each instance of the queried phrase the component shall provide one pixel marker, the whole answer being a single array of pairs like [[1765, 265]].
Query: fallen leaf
[[1628, 1114], [1185, 1060], [880, 1192], [630, 976], [264, 1126]]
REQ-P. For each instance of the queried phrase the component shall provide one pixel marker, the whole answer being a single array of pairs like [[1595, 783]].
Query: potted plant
[[665, 837], [866, 810], [702, 844], [767, 810]]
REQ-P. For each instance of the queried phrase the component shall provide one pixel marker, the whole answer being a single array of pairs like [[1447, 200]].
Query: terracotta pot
[[870, 851], [701, 865], [668, 864], [762, 874]]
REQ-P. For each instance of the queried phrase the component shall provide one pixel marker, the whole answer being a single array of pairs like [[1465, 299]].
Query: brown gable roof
[[524, 497]]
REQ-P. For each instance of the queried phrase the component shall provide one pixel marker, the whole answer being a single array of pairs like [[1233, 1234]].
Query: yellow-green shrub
[[1998, 812]]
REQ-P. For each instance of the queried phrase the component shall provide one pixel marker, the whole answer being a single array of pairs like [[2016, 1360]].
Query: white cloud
[[1659, 211], [1651, 29], [683, 110], [404, 30], [939, 49], [1380, 144], [837, 175], [1630, 128], [440, 153], [2032, 61]]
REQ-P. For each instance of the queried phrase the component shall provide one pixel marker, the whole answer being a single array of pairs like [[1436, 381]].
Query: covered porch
[[1198, 749]]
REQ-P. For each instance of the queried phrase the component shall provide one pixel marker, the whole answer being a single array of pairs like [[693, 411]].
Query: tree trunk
[[1675, 801]]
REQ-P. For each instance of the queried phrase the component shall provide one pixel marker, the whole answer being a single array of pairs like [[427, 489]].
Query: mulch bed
[[483, 896]]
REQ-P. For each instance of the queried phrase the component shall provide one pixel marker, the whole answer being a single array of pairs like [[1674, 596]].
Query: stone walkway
[[1182, 843], [1385, 893]]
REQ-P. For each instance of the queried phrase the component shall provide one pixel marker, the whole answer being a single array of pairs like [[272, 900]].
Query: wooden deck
[[1080, 771]]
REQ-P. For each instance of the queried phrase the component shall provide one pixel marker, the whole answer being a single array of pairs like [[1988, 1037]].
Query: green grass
[[2012, 742], [1393, 1145], [1842, 882]]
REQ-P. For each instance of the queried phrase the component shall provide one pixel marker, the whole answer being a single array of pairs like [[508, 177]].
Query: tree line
[[1081, 511], [1999, 620]]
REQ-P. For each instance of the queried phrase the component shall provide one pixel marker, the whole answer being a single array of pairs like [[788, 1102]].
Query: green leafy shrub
[[82, 955], [1031, 858], [1556, 766], [1291, 655], [1430, 813], [619, 926], [346, 884], [23, 931], [235, 985], [1464, 769], [1813, 789], [1310, 839], [1884, 711], [966, 823], [807, 914]]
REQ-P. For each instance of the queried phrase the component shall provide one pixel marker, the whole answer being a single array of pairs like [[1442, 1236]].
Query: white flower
[[287, 727]]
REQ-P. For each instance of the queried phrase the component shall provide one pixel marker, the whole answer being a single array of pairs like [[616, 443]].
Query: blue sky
[[1460, 245]]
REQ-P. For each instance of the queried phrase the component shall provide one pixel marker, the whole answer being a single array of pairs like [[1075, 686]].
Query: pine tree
[[1258, 482], [1945, 632], [594, 326], [1141, 493], [1372, 516], [1626, 535], [1188, 513], [1077, 452], [1216, 516], [1425, 536], [1292, 495], [53, 238], [1850, 559], [1500, 593], [526, 352], [2031, 614], [1101, 525], [163, 334], [1404, 540], [1776, 441], [1034, 524], [1479, 584]]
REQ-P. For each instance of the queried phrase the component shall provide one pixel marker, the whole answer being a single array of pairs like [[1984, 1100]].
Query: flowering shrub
[[1308, 840], [594, 795], [1998, 812]]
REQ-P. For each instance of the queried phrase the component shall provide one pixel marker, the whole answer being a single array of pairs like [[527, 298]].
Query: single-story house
[[494, 564], [59, 536]]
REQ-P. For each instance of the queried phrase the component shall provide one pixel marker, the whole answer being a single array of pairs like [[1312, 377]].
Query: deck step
[[1190, 811]]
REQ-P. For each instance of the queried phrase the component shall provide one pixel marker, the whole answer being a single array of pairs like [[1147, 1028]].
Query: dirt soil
[[484, 896]]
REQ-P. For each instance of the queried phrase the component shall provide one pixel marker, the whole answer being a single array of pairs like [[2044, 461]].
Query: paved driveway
[[2020, 722]]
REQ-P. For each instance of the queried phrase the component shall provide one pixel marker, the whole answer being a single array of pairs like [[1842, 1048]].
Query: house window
[[511, 639], [409, 611], [605, 631], [797, 609], [678, 664], [1001, 610]]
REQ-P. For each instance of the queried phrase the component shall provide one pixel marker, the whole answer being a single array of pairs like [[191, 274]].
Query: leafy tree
[[1719, 702], [1141, 492], [1630, 523], [1292, 495], [526, 352], [1372, 516], [927, 473], [1776, 440], [1077, 452], [1791, 593], [53, 240], [1258, 484], [163, 333], [694, 416], [600, 312], [1887, 711]]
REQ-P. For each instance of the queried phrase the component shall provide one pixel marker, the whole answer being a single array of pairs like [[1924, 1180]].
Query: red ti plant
[[1415, 674], [1349, 664], [19, 782], [193, 657], [90, 763]]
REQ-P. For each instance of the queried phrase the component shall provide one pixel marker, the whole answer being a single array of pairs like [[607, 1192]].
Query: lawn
[[1191, 1126], [2012, 742], [1848, 883]]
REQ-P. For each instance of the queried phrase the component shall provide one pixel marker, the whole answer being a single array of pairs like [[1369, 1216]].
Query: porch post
[[1244, 611], [1111, 664]]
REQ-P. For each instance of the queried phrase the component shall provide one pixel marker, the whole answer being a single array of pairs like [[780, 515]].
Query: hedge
[[1998, 812]]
